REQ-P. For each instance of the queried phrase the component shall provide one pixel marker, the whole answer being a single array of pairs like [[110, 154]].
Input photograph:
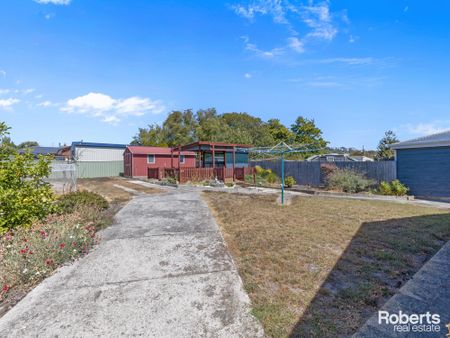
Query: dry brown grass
[[321, 266], [105, 187]]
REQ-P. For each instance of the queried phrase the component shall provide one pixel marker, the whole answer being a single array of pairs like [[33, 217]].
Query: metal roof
[[434, 140], [38, 150], [143, 150], [97, 145]]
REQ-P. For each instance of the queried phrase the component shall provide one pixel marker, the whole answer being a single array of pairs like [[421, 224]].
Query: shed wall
[[98, 154], [140, 165], [426, 171]]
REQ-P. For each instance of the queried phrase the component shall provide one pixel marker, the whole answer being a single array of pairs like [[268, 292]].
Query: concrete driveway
[[162, 270]]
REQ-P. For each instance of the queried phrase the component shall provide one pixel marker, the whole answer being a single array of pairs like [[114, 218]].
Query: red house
[[138, 159]]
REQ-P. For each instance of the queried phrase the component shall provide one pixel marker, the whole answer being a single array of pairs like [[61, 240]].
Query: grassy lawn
[[322, 266]]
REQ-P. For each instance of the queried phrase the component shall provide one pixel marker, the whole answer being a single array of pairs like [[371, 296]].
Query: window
[[150, 158], [182, 159]]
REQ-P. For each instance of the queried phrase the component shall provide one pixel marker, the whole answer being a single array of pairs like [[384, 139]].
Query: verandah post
[[234, 161], [282, 178]]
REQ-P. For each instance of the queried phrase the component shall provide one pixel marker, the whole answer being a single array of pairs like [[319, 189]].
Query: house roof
[[142, 150], [433, 140], [38, 150], [220, 144], [97, 145], [313, 157]]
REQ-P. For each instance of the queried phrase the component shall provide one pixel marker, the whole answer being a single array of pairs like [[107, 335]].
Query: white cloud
[[405, 9], [46, 104], [8, 103], [112, 110], [318, 18], [4, 91], [320, 22], [248, 75], [54, 2], [296, 44], [273, 7], [2, 73], [266, 54], [422, 129], [349, 61], [28, 91]]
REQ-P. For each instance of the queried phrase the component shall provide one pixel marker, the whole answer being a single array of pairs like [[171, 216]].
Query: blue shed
[[423, 164]]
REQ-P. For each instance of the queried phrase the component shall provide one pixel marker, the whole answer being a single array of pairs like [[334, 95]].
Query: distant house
[[138, 159], [38, 150], [334, 157], [423, 164], [97, 159]]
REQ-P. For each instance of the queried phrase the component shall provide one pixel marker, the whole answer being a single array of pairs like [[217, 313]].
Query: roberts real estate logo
[[416, 322]]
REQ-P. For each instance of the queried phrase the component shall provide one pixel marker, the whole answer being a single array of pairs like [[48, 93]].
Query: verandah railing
[[184, 175]]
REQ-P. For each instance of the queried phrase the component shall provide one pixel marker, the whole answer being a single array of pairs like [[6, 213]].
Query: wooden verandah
[[184, 175]]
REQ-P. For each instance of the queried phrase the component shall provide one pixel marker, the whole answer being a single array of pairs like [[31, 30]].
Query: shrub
[[289, 182], [395, 188], [28, 255], [385, 188], [24, 195], [271, 178], [327, 169], [69, 202], [348, 181], [169, 180]]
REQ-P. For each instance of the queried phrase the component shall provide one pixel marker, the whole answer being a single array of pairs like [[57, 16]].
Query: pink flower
[[62, 245], [5, 288]]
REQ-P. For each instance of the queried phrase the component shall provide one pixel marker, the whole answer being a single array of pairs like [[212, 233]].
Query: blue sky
[[97, 70]]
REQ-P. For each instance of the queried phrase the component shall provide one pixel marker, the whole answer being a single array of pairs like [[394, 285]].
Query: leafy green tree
[[27, 144], [384, 152], [154, 136], [24, 194], [180, 127], [279, 132], [210, 127], [248, 129], [308, 134]]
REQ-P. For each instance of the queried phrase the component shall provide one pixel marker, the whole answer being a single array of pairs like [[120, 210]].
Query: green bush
[[395, 188], [271, 178], [348, 181], [169, 180], [289, 182], [25, 196], [69, 202]]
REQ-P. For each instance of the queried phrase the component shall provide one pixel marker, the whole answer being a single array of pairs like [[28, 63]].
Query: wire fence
[[63, 177]]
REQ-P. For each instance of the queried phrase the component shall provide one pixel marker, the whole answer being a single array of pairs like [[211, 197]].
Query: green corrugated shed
[[92, 169]]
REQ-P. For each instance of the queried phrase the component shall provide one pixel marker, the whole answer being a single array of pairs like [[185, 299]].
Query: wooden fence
[[309, 173]]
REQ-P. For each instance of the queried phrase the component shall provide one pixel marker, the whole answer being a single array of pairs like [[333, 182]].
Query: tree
[[153, 136], [180, 127], [27, 144], [384, 152], [279, 132], [25, 196], [306, 133]]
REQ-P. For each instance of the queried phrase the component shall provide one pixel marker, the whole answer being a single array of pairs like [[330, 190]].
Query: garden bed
[[322, 266]]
